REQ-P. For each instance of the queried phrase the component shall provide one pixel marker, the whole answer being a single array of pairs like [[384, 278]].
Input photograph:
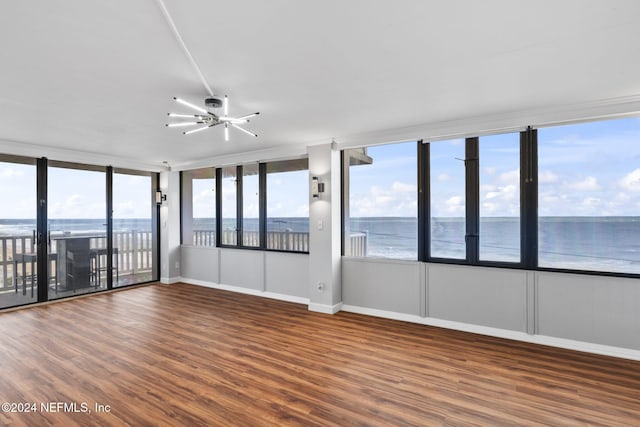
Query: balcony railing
[[135, 248], [134, 252], [295, 241]]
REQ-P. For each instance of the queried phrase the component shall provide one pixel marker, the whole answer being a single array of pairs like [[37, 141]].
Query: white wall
[[603, 310], [477, 295], [324, 277], [584, 312], [170, 255], [271, 274]]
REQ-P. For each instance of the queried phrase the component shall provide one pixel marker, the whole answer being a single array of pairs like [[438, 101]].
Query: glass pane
[[383, 202], [500, 197], [447, 182], [77, 229], [589, 196], [18, 284], [288, 206], [133, 234], [250, 206], [199, 212], [229, 207]]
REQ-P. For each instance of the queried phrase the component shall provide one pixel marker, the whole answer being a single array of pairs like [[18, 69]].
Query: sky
[[72, 193], [287, 192], [587, 169]]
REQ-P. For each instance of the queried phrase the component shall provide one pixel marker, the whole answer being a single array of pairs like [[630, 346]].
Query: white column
[[325, 285], [170, 228]]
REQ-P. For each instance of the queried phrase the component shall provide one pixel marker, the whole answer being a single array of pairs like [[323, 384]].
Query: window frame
[[472, 208], [262, 208], [529, 188]]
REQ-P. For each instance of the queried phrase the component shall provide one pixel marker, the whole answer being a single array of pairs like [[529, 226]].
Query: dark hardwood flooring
[[184, 355]]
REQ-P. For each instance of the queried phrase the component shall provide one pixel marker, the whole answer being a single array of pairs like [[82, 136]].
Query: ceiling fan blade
[[175, 125], [247, 116], [243, 130], [190, 105], [196, 130], [226, 105], [232, 120], [226, 132], [186, 116]]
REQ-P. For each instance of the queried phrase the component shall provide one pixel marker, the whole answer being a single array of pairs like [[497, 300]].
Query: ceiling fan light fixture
[[210, 118]]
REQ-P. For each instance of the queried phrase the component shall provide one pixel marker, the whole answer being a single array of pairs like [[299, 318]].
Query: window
[[18, 258], [589, 196], [199, 207], [250, 205], [382, 219], [288, 205], [447, 187], [229, 206], [500, 197]]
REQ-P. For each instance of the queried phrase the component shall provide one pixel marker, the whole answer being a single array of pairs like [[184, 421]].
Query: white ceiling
[[95, 79]]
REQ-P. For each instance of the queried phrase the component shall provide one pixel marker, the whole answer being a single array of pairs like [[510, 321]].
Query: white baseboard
[[605, 350], [325, 308], [169, 280], [248, 291]]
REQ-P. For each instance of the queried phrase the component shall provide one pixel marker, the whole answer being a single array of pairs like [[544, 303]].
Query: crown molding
[[77, 156], [285, 152], [511, 121]]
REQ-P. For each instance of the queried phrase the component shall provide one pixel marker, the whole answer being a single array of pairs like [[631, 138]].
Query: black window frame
[[262, 208], [42, 165], [528, 207], [472, 206]]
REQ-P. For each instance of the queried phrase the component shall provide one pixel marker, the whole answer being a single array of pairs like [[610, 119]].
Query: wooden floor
[[184, 355]]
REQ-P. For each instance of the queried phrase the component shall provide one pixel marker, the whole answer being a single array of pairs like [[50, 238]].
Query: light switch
[[320, 224]]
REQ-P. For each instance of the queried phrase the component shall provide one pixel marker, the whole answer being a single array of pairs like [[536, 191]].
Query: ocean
[[25, 227], [584, 243]]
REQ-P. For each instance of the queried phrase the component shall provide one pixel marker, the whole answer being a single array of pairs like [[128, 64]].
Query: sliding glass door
[[77, 229], [18, 241], [134, 228]]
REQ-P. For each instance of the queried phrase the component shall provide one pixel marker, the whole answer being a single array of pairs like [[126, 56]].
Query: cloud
[[490, 170], [443, 177], [591, 202], [631, 181], [8, 173], [397, 199], [590, 183], [401, 187], [547, 177], [511, 177], [501, 201], [455, 205]]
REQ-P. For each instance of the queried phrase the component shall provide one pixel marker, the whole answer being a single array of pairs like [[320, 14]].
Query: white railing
[[133, 251], [359, 244], [295, 241]]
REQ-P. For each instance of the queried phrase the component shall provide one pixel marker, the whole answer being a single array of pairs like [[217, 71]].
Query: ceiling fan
[[210, 116]]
